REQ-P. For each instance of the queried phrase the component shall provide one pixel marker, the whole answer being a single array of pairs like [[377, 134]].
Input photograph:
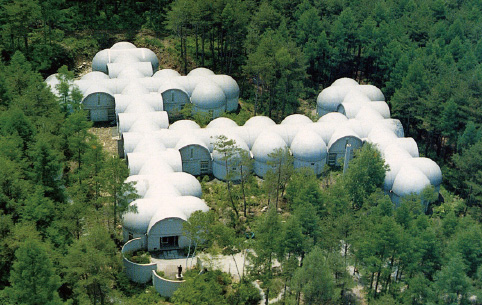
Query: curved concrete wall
[[139, 273], [163, 286]]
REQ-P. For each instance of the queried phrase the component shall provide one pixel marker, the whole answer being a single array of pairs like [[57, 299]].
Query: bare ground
[[105, 135]]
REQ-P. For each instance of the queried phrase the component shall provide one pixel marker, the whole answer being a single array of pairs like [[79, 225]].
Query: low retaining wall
[[163, 286], [139, 273]]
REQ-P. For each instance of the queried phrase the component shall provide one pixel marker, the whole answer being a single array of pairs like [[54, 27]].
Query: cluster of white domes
[[125, 75]]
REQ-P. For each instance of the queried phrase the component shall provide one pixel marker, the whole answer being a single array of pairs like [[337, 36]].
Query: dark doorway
[[169, 242]]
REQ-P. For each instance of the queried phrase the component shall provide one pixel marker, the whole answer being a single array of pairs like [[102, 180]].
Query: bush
[[138, 257]]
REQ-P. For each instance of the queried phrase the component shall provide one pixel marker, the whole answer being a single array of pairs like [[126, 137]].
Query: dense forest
[[62, 195]]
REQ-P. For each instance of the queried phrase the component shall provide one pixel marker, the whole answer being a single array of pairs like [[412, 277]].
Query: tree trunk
[[242, 188]]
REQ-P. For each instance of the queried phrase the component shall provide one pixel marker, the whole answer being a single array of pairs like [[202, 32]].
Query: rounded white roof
[[141, 184], [123, 45], [95, 76], [228, 84], [186, 184], [329, 98], [138, 222], [259, 121], [372, 92], [155, 166], [356, 96], [189, 139], [166, 211], [200, 72], [409, 145], [366, 113], [150, 145], [295, 119], [170, 84], [266, 143], [208, 95], [335, 117], [184, 125], [345, 81], [222, 123], [160, 189], [166, 73], [429, 168], [343, 131], [100, 60], [325, 129], [135, 88], [409, 180], [130, 73], [190, 204], [238, 143], [97, 88], [308, 146], [126, 58]]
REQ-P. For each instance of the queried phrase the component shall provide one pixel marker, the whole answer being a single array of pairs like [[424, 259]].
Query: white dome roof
[[325, 129], [372, 92], [295, 119], [259, 121], [135, 88], [126, 58], [167, 210], [228, 84], [123, 45], [266, 143], [366, 113], [155, 166], [345, 81], [141, 184], [190, 204], [222, 123], [150, 145], [329, 98], [160, 189], [139, 222], [170, 84], [343, 131], [208, 95], [100, 60], [95, 76], [333, 117], [130, 73], [238, 142], [190, 139], [184, 125], [409, 180], [429, 168], [308, 146], [186, 184], [200, 72], [166, 73], [356, 96]]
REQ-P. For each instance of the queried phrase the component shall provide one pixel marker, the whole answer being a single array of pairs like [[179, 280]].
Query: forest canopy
[[60, 192]]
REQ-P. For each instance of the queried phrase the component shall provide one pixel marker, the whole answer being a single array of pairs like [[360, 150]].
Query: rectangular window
[[204, 167], [332, 159]]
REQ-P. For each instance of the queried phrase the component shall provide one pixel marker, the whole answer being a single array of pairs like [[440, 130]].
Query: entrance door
[[99, 115], [192, 167]]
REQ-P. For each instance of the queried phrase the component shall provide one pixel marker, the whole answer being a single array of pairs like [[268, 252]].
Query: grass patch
[[138, 256]]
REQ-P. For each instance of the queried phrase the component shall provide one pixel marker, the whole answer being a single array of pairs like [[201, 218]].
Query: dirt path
[[105, 135]]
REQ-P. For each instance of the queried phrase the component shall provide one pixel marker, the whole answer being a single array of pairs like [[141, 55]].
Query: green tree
[[91, 265], [451, 283], [279, 173], [33, 277], [116, 193], [364, 175], [314, 280]]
